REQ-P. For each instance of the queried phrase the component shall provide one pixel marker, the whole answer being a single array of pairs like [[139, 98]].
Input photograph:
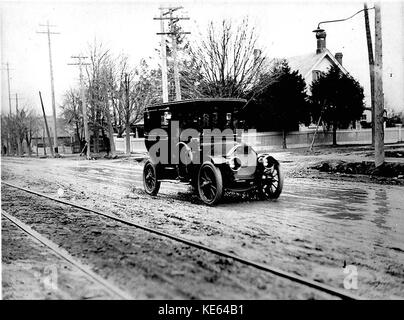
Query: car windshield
[[206, 120], [203, 114]]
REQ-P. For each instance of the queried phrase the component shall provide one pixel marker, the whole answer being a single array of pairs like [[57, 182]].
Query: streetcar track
[[60, 252], [278, 272]]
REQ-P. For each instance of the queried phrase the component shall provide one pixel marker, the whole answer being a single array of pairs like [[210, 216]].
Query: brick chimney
[[320, 35], [339, 56]]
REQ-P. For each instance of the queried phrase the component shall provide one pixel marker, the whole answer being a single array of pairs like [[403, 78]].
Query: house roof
[[306, 63], [303, 63]]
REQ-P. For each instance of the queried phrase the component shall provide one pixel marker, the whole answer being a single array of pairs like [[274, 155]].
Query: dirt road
[[314, 229]]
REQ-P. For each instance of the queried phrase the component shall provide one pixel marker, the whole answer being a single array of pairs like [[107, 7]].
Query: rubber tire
[[219, 184], [156, 188], [278, 191]]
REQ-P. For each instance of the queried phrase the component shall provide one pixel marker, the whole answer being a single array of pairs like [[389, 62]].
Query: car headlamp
[[167, 115], [235, 163]]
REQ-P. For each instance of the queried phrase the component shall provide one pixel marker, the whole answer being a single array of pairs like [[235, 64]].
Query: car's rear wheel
[[210, 184], [271, 184], [150, 183]]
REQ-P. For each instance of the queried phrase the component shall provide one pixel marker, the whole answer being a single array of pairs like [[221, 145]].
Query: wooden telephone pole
[[47, 129], [9, 142], [371, 69], [164, 81], [48, 32], [167, 14], [19, 145], [81, 63], [8, 83], [379, 95]]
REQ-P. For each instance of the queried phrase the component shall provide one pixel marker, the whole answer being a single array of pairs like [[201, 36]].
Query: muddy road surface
[[314, 229]]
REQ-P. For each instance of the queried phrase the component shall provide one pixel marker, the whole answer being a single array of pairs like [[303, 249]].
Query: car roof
[[197, 103]]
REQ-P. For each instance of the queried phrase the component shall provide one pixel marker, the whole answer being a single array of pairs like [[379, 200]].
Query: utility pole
[[109, 96], [81, 63], [127, 114], [370, 56], [176, 71], [9, 142], [48, 32], [17, 119], [44, 142], [164, 81], [19, 146], [8, 82], [173, 32], [371, 69], [379, 95], [16, 103], [47, 128]]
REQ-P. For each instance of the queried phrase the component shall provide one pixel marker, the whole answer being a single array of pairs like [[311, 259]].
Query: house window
[[316, 74]]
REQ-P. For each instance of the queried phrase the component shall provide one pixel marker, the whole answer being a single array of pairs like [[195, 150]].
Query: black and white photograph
[[221, 151]]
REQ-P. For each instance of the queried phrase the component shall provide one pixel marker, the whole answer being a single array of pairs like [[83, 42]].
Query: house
[[311, 65], [65, 136]]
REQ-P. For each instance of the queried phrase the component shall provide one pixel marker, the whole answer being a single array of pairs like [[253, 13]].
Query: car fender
[[270, 158], [218, 160]]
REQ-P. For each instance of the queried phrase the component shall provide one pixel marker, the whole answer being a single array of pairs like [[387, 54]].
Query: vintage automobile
[[181, 144]]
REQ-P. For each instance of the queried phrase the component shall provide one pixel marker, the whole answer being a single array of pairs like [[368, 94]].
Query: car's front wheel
[[210, 184], [271, 183], [150, 182]]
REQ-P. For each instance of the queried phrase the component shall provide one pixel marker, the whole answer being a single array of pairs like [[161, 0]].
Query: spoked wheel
[[150, 183], [271, 182], [210, 184]]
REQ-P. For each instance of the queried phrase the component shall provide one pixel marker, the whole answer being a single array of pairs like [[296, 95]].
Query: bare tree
[[98, 57], [32, 126], [137, 91], [72, 114], [118, 67], [227, 59], [6, 138], [23, 125], [109, 85]]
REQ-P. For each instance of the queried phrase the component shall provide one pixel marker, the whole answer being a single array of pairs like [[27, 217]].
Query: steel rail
[[65, 255], [284, 274]]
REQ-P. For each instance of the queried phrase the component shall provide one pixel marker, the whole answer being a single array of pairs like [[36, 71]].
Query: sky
[[284, 29]]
